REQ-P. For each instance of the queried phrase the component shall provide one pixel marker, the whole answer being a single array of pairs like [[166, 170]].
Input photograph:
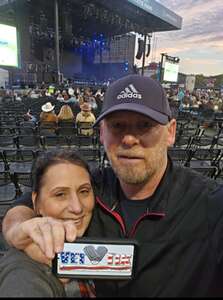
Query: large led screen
[[8, 46], [170, 71]]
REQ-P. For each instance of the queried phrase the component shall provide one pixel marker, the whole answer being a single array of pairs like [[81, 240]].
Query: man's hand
[[48, 233], [39, 237], [13, 218]]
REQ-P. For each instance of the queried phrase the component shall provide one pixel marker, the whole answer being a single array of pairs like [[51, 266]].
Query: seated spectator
[[51, 90], [65, 95], [43, 93], [85, 117], [71, 91], [99, 101], [68, 96], [29, 119], [93, 103], [72, 99], [59, 201], [60, 97], [2, 92], [88, 97], [87, 92], [34, 94], [99, 93], [80, 99], [18, 96], [48, 116], [186, 102], [48, 113], [66, 114]]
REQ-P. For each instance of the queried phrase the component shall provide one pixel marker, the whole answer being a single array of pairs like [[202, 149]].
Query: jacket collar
[[109, 190]]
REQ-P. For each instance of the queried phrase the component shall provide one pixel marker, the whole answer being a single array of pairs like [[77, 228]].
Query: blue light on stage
[[89, 47], [126, 66]]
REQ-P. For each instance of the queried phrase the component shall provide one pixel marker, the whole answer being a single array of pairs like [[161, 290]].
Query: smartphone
[[96, 258]]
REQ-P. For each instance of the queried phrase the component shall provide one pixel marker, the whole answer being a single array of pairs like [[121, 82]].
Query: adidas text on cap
[[139, 94]]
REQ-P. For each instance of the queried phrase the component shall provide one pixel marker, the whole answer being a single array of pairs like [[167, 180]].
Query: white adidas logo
[[129, 92]]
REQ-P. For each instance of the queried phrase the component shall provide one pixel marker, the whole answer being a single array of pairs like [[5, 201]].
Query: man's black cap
[[137, 93]]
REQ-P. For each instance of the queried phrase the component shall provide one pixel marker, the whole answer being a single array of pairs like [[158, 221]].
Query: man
[[174, 213], [85, 119]]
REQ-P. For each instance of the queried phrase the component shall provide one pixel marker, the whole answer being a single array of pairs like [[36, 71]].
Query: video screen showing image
[[8, 46], [171, 71]]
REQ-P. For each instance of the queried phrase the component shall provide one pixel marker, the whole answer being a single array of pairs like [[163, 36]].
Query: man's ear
[[171, 127], [102, 132]]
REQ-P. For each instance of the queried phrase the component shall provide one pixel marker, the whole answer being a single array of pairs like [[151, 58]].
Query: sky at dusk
[[199, 44]]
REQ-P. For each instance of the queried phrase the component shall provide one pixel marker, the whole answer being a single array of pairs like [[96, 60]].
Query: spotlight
[[140, 48], [148, 50]]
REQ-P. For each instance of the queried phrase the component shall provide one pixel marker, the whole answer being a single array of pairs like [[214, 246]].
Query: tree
[[200, 81]]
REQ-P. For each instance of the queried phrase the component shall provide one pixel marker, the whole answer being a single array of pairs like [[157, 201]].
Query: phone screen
[[95, 260]]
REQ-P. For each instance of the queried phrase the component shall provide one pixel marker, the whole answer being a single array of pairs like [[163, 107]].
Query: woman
[[66, 114], [57, 199]]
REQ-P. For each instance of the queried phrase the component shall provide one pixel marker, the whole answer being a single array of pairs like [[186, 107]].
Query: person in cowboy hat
[[48, 115], [86, 117]]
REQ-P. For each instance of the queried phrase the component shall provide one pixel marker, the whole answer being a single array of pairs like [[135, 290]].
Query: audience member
[[48, 118], [66, 114], [60, 97], [29, 119], [56, 197], [48, 113], [85, 118]]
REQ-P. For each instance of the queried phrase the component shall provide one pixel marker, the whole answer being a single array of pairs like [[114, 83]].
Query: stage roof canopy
[[149, 14], [111, 18]]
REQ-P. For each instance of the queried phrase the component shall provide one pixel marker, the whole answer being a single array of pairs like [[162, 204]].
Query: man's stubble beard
[[141, 173]]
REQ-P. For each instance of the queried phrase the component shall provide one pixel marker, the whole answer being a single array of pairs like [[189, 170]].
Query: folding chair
[[85, 128], [19, 160], [86, 141], [97, 136], [179, 155], [73, 141], [27, 130], [219, 142], [105, 163], [3, 244], [7, 141], [205, 157], [218, 118], [32, 142], [5, 130], [182, 121], [219, 163], [38, 152], [7, 188], [50, 141], [3, 163], [183, 142], [191, 129], [23, 182], [204, 141], [67, 130], [209, 171], [92, 156], [47, 128]]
